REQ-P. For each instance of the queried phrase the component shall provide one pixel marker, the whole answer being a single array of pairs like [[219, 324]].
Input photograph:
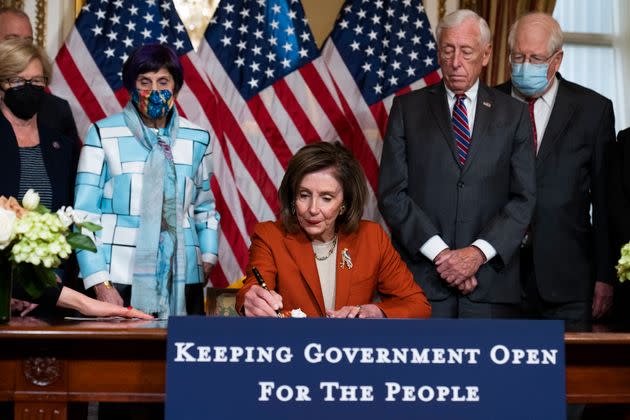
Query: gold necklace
[[330, 251]]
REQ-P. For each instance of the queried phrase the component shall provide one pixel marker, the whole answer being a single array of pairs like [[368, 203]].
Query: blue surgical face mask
[[530, 79]]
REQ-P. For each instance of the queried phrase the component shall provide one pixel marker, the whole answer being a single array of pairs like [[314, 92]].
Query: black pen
[[261, 283]]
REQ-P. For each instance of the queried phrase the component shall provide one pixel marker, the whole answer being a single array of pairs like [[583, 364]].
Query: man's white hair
[[456, 18], [556, 37]]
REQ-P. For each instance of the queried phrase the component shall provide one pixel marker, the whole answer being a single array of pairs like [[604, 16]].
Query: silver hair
[[455, 19], [556, 37]]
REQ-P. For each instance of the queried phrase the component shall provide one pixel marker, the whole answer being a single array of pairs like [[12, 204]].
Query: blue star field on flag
[[386, 45], [260, 41], [111, 30]]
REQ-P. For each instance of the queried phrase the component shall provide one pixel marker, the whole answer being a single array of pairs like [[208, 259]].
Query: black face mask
[[24, 101]]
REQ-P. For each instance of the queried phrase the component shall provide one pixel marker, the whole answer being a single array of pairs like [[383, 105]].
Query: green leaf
[[79, 241], [34, 279], [92, 227], [41, 209]]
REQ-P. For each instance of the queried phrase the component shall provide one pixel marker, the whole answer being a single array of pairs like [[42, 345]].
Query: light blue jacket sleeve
[[206, 216], [91, 177]]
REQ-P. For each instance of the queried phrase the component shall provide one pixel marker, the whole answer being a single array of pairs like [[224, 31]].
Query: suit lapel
[[560, 116], [442, 114], [302, 253], [483, 114]]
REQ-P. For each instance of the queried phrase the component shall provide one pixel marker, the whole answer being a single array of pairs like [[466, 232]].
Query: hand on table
[[22, 306], [357, 311]]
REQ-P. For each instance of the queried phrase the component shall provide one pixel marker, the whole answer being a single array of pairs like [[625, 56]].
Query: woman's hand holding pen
[[261, 302]]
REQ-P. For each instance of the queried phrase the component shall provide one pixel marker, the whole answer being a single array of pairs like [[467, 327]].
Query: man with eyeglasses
[[55, 112], [566, 263], [456, 182]]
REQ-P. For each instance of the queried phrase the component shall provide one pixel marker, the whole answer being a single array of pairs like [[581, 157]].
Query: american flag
[[378, 49], [268, 93], [88, 68], [275, 96]]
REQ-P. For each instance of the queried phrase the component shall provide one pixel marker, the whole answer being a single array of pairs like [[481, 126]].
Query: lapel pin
[[488, 104], [346, 261], [56, 145]]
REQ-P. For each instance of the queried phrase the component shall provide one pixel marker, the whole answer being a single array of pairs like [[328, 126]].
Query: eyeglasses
[[14, 82], [533, 59]]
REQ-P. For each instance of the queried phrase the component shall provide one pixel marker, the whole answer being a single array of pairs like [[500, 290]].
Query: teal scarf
[[160, 262]]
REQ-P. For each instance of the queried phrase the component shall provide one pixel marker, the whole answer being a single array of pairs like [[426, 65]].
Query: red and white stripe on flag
[[376, 51], [271, 104]]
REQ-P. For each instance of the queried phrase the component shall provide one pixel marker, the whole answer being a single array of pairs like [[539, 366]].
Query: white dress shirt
[[542, 109]]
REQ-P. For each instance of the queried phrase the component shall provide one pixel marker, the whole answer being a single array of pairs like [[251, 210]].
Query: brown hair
[[347, 171], [17, 54]]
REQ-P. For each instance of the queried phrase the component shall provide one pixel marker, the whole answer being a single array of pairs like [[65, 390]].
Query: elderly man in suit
[[567, 269], [457, 180], [55, 112]]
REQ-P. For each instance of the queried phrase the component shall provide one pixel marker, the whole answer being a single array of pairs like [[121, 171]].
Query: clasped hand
[[459, 267]]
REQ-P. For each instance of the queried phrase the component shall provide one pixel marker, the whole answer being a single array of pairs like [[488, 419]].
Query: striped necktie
[[461, 128]]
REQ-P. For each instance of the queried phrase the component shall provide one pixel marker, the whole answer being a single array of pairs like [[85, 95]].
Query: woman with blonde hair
[[32, 156]]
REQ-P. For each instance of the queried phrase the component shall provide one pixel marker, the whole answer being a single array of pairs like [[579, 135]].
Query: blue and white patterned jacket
[[109, 190]]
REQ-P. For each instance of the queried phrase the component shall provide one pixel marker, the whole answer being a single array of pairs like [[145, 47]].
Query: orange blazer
[[287, 263]]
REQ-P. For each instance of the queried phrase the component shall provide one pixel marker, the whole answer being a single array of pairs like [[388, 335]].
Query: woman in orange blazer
[[320, 256]]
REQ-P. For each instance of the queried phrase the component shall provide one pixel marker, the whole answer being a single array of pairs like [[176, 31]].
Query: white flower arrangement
[[35, 241], [623, 265]]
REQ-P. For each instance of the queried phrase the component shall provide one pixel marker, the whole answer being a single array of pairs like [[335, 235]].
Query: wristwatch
[[107, 284]]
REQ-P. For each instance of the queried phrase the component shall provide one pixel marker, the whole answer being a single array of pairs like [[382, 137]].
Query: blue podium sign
[[236, 368]]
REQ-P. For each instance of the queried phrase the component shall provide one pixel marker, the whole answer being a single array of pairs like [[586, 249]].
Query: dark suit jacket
[[55, 114], [619, 200], [570, 252], [60, 158], [423, 191], [619, 193], [287, 263]]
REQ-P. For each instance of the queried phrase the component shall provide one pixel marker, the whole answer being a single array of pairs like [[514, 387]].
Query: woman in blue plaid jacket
[[144, 176]]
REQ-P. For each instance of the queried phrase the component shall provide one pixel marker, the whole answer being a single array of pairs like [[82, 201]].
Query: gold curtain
[[500, 14]]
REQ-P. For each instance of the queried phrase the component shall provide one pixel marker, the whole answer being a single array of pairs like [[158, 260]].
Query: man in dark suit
[[457, 181], [55, 112], [567, 269]]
